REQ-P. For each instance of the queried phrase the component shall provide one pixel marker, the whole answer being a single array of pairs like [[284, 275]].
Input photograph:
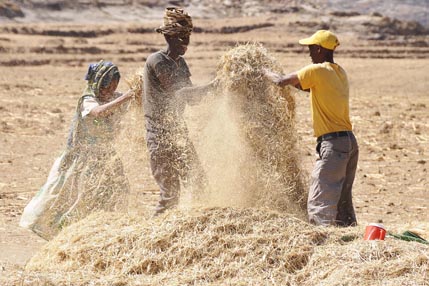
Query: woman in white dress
[[89, 174]]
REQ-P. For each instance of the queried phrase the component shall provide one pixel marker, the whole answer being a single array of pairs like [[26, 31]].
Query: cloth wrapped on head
[[176, 23], [100, 75]]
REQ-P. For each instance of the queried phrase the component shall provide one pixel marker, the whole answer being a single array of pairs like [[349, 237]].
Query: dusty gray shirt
[[162, 77]]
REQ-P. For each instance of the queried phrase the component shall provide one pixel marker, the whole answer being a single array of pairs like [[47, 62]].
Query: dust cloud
[[226, 156]]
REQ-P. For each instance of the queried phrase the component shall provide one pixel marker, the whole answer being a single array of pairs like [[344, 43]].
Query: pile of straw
[[267, 115], [222, 247]]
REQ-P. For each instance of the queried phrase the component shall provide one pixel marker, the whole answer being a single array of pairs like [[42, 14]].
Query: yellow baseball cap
[[322, 38]]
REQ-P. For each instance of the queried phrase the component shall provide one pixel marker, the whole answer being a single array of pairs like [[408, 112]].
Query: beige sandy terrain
[[42, 68]]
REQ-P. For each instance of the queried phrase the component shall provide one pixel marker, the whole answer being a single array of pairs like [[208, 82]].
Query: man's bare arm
[[283, 80], [193, 94]]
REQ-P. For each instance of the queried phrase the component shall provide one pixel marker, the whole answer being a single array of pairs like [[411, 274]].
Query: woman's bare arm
[[108, 108]]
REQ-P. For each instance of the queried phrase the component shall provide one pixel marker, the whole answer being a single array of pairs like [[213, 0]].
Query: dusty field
[[41, 79]]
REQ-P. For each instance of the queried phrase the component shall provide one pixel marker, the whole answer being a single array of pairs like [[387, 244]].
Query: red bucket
[[374, 231]]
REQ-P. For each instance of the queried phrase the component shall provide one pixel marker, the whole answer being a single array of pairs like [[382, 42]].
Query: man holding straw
[[330, 196], [167, 90]]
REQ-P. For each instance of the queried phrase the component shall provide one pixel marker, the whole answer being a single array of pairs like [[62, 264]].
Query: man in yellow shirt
[[330, 196]]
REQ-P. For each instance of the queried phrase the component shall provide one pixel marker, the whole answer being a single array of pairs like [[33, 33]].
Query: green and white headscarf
[[100, 75]]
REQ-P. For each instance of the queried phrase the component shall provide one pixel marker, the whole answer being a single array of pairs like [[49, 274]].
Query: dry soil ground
[[41, 79]]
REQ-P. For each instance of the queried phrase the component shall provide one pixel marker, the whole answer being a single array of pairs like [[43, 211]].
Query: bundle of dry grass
[[267, 119], [135, 83], [241, 70], [222, 247]]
